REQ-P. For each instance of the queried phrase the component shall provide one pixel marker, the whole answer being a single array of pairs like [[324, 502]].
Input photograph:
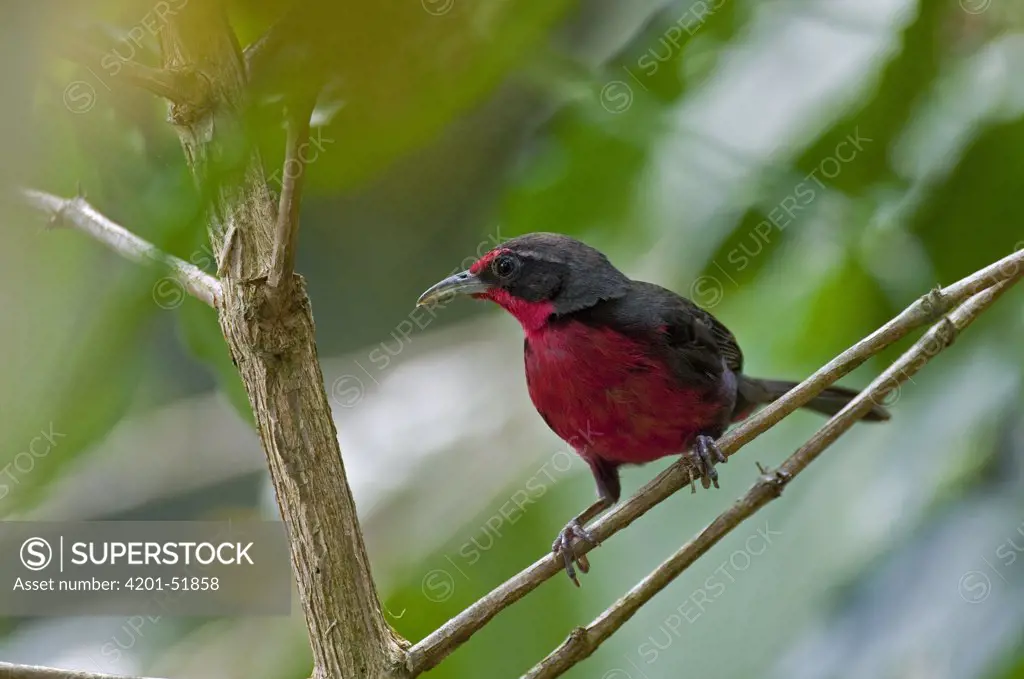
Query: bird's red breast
[[608, 397]]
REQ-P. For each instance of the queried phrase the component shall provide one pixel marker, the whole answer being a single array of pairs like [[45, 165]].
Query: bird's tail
[[754, 392]]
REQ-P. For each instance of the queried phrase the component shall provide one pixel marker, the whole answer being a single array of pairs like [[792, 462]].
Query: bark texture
[[271, 337]]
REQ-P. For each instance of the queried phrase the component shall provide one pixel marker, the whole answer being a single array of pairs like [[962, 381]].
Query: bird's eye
[[506, 266]]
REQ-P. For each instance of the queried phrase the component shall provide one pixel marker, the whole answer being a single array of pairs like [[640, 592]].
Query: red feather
[[604, 394]]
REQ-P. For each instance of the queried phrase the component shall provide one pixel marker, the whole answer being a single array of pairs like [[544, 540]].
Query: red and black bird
[[624, 371]]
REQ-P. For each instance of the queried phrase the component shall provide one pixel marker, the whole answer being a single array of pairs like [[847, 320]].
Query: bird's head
[[536, 276]]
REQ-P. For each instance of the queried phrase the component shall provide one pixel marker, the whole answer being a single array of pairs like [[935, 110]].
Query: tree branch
[[183, 87], [585, 640], [436, 646], [293, 175], [270, 335], [9, 671], [78, 214]]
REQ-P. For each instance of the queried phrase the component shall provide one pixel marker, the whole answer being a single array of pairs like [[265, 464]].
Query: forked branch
[[929, 308]]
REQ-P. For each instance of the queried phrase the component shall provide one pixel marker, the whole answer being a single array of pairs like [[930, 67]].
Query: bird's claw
[[563, 545], [704, 455]]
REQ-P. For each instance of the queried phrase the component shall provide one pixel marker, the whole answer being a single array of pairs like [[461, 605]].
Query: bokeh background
[[803, 168]]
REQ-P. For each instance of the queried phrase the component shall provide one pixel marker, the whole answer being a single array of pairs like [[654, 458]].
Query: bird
[[625, 372]]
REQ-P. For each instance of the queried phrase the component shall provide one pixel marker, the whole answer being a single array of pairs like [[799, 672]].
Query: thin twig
[[437, 645], [77, 213], [181, 87], [9, 671], [293, 174], [584, 640]]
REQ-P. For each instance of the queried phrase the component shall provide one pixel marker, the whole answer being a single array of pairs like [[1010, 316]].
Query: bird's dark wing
[[690, 314], [694, 343], [697, 338]]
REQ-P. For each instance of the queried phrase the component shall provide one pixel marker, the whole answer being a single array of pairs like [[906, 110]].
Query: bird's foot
[[704, 455], [563, 545]]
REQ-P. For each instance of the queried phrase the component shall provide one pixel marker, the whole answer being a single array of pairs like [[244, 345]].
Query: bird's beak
[[464, 283]]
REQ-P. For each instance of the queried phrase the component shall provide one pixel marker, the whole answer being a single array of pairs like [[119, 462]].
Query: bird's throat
[[533, 316]]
